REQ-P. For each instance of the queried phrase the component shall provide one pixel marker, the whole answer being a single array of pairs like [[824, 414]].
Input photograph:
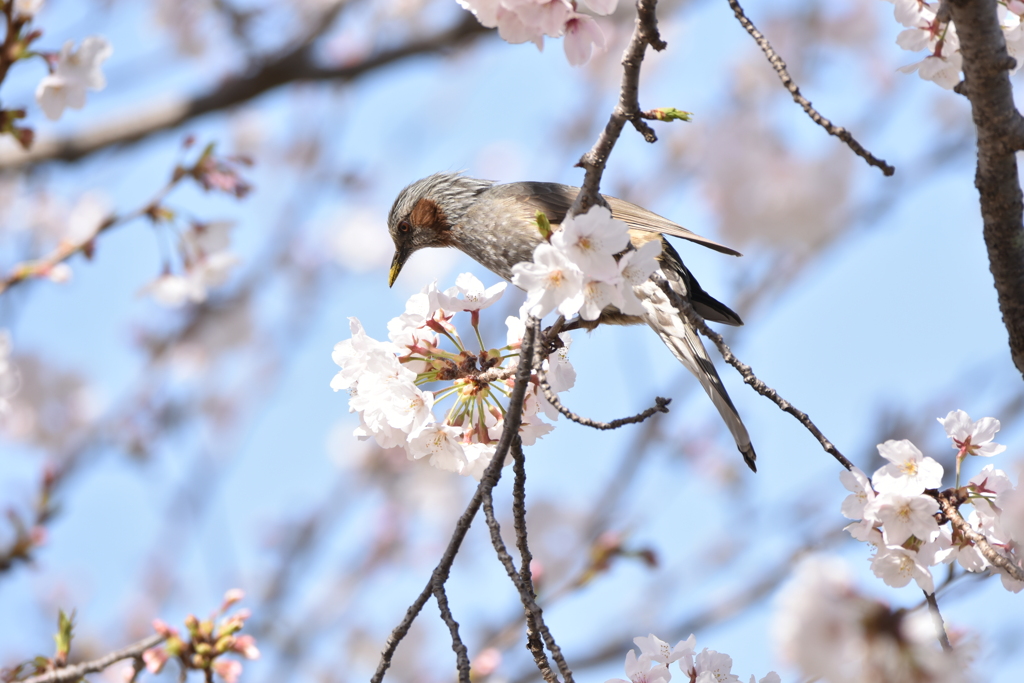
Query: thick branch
[[987, 85], [990, 553], [297, 65], [75, 672], [645, 33], [787, 81]]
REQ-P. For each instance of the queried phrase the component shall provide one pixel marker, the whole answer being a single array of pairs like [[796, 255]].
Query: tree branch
[[660, 406], [645, 33], [960, 524], [461, 654], [1000, 134], [75, 672], [940, 625], [290, 67], [694, 319], [787, 81], [513, 420]]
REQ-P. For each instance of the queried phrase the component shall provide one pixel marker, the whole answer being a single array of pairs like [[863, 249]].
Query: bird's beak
[[401, 256]]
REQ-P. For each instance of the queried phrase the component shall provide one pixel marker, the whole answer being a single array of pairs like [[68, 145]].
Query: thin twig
[[661, 406], [533, 638], [787, 81], [525, 590], [953, 515], [461, 654], [694, 319], [940, 625], [645, 33], [75, 672]]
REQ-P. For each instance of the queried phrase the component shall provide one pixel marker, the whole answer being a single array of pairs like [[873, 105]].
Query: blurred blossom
[[359, 239], [487, 662], [88, 214], [827, 628], [27, 8], [59, 273], [74, 72], [761, 191], [184, 19], [248, 132], [51, 407], [9, 381]]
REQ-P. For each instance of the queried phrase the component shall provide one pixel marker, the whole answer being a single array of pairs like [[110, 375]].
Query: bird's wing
[[554, 199]]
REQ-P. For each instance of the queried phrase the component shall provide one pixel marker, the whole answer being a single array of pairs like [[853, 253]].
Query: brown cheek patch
[[427, 215]]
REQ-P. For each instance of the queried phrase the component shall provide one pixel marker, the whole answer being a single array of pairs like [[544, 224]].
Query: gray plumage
[[496, 226]]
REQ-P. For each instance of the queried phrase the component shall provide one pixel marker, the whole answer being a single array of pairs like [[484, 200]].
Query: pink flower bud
[[487, 662], [228, 669], [161, 627], [231, 597], [246, 646], [155, 658]]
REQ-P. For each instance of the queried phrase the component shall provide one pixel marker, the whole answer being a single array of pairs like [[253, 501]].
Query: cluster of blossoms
[[203, 247], [832, 632], [523, 21], [898, 509], [576, 271], [207, 641], [384, 379], [926, 30], [707, 666]]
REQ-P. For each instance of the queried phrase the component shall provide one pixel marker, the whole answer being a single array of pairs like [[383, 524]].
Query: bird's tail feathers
[[685, 344]]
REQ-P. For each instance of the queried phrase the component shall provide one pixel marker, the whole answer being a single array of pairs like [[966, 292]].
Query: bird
[[496, 225]]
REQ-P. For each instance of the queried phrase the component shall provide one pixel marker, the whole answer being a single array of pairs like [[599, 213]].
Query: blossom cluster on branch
[[528, 21], [207, 641], [384, 379], [576, 271], [899, 510], [707, 666], [927, 29]]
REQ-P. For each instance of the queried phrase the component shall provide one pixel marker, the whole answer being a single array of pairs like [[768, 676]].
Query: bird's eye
[[404, 226]]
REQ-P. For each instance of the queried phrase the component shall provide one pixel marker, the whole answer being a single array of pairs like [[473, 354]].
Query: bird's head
[[425, 213]]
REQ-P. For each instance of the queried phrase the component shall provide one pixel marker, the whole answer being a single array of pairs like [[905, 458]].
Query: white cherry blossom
[[75, 71], [714, 667], [474, 297], [442, 443], [897, 566], [591, 240], [857, 483], [909, 473], [639, 670], [972, 437], [582, 35], [905, 516], [660, 651], [635, 266], [551, 282]]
